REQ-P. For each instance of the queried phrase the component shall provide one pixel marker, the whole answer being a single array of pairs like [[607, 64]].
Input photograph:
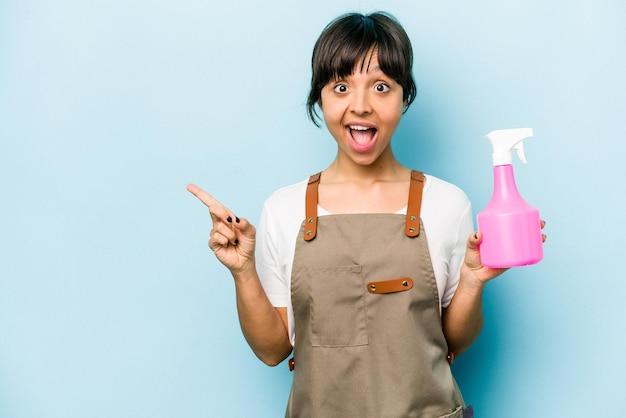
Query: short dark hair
[[347, 40]]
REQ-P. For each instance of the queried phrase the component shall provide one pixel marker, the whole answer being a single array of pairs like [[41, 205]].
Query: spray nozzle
[[504, 141], [519, 147]]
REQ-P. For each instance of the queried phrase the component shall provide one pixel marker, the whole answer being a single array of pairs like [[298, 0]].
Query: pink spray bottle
[[511, 228]]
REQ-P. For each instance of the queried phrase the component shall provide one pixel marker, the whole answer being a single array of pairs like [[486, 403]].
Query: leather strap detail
[[390, 286], [414, 206], [310, 227]]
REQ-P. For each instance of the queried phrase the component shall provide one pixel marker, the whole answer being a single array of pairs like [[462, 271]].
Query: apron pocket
[[337, 306]]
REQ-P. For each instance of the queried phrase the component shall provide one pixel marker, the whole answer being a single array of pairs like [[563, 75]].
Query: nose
[[360, 104]]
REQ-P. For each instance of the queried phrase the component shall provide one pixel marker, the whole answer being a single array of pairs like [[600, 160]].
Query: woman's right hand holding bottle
[[232, 239]]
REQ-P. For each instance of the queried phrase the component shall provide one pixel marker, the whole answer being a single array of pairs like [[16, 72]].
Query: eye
[[340, 88], [381, 88]]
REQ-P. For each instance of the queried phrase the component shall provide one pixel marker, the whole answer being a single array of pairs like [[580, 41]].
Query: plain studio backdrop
[[111, 304]]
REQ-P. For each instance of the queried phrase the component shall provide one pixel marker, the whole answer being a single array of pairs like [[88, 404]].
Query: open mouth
[[363, 137]]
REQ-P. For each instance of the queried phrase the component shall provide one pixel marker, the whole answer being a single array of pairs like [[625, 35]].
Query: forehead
[[369, 62], [365, 63]]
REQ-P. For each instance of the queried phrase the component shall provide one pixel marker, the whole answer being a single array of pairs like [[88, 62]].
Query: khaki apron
[[369, 341]]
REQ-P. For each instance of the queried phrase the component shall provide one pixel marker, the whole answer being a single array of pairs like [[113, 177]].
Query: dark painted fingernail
[[229, 219], [475, 235], [236, 241], [236, 219]]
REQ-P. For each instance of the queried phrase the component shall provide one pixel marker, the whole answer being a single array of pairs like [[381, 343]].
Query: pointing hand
[[232, 239]]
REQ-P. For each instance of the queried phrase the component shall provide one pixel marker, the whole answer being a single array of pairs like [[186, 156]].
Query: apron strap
[[413, 209], [414, 206], [310, 229]]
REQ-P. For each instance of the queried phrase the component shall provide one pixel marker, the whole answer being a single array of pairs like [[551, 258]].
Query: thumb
[[473, 261], [474, 240], [472, 253]]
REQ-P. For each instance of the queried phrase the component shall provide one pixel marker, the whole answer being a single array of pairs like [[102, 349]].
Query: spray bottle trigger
[[519, 148]]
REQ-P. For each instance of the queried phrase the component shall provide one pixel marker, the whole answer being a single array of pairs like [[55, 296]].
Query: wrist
[[244, 272], [470, 282]]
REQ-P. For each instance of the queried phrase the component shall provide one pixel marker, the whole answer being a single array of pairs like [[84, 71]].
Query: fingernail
[[229, 219], [236, 219], [475, 235]]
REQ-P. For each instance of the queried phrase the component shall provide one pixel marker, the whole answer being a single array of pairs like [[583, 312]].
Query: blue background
[[111, 305]]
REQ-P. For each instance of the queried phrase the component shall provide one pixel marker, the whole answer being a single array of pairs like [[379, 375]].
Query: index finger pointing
[[204, 197], [216, 209]]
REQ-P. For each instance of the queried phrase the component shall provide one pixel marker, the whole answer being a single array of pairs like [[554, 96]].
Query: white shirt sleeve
[[457, 255], [277, 232], [268, 266], [447, 217]]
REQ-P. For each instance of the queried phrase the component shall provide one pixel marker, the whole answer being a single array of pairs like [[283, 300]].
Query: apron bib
[[369, 341]]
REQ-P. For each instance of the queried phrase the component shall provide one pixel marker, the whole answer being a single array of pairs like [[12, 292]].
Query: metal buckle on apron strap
[[390, 286]]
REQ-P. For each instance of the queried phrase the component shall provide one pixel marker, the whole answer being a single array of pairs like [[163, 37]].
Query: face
[[362, 111]]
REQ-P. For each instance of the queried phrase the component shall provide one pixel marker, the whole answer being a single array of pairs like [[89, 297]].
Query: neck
[[384, 169]]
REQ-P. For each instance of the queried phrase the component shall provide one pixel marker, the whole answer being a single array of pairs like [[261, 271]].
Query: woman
[[365, 270]]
